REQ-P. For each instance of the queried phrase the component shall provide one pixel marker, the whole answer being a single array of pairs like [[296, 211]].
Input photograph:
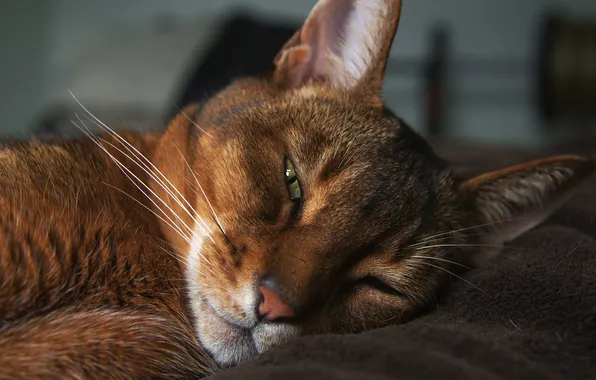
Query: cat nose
[[272, 307]]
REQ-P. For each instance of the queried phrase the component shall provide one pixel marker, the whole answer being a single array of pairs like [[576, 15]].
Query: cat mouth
[[230, 344], [227, 343]]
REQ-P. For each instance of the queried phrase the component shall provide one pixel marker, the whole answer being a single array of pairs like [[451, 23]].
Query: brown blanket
[[530, 315]]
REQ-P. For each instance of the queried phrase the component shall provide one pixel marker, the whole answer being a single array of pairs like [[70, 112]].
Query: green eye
[[292, 182]]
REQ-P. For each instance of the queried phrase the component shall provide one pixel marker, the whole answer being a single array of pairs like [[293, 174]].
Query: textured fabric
[[530, 315]]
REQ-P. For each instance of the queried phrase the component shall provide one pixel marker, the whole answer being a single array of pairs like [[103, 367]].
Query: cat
[[288, 204]]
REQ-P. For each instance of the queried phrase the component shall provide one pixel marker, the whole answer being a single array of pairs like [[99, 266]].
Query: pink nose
[[272, 307]]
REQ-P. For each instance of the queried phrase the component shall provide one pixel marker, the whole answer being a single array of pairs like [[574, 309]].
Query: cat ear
[[344, 43], [513, 200]]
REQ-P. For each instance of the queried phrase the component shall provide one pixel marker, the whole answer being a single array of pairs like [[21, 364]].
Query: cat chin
[[230, 345], [227, 344], [269, 335]]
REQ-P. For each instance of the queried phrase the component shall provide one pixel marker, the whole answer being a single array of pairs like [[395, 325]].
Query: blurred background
[[501, 72]]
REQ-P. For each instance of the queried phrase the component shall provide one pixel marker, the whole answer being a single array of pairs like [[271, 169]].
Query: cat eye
[[292, 182], [378, 285]]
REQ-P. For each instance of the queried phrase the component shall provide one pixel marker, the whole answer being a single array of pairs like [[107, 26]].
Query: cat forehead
[[315, 126], [252, 103], [312, 120]]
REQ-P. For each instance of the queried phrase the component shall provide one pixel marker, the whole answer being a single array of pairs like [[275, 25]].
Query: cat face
[[318, 212], [317, 198]]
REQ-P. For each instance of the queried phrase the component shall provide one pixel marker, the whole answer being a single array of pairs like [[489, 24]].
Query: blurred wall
[[24, 53], [94, 48]]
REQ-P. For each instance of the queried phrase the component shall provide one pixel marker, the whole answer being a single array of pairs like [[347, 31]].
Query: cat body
[[85, 277], [288, 204]]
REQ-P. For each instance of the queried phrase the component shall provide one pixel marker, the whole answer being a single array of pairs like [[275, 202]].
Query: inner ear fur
[[344, 44]]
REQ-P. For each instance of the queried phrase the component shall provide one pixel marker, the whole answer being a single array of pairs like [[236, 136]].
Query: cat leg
[[106, 344]]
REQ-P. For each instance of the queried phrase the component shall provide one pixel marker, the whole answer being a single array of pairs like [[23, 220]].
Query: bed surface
[[530, 315]]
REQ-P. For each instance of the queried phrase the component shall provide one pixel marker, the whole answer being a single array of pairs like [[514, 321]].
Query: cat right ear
[[343, 43], [513, 200]]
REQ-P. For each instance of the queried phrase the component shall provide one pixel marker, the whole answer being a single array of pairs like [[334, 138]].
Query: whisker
[[445, 238], [441, 259], [178, 252], [124, 169], [192, 188], [152, 192], [192, 121], [138, 155], [184, 261], [217, 221], [394, 318], [175, 228], [127, 170], [516, 326], [454, 275], [459, 245], [151, 173], [177, 257], [427, 239]]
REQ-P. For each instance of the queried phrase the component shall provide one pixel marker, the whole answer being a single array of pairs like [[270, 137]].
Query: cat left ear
[[344, 43], [513, 200]]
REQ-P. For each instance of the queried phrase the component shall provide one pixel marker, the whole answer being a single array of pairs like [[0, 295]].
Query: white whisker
[[192, 121], [138, 155], [124, 169], [178, 257], [202, 191], [458, 245], [432, 237], [453, 274], [440, 259], [120, 165], [152, 192], [176, 251], [444, 238], [174, 227]]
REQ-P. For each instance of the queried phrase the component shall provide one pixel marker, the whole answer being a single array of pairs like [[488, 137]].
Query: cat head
[[304, 208]]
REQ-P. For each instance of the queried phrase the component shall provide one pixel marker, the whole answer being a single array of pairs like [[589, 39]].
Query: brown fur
[[102, 277], [77, 254]]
